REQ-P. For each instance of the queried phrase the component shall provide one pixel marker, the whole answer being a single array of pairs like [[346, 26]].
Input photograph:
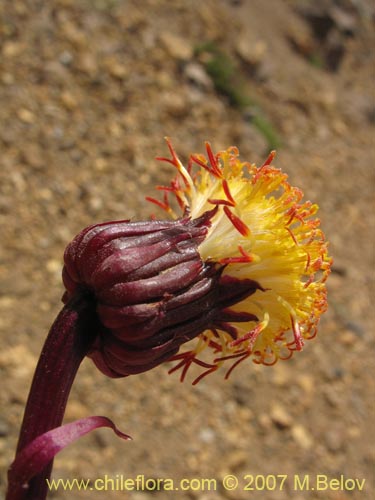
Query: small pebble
[[302, 436], [280, 416], [176, 46]]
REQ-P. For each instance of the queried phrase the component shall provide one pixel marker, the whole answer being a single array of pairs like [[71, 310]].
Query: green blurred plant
[[229, 82], [316, 60]]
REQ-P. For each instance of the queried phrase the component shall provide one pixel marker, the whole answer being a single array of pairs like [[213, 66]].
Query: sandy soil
[[88, 90]]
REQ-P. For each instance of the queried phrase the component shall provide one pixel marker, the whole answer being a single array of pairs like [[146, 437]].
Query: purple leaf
[[34, 457]]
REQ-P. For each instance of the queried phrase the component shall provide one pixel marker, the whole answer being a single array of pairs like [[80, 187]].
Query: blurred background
[[88, 90]]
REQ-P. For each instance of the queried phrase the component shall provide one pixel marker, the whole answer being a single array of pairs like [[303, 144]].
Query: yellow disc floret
[[263, 231]]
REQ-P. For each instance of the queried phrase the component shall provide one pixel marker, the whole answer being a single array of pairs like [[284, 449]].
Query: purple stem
[[68, 342]]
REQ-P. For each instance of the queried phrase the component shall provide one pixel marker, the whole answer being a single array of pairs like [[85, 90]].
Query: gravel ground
[[88, 90]]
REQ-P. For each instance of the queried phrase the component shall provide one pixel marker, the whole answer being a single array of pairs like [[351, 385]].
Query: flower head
[[241, 270], [260, 230]]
